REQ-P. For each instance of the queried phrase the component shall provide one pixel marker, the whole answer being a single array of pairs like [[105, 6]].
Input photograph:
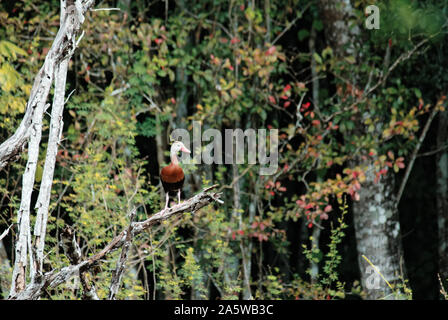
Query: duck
[[172, 176]]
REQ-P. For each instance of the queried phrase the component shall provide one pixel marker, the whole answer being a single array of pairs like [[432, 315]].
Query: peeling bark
[[43, 200], [72, 17], [56, 126]]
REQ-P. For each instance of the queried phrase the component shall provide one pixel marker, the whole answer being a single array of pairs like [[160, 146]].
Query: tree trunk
[[378, 238], [442, 195], [375, 215]]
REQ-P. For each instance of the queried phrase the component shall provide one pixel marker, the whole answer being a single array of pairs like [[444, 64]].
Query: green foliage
[[138, 73], [328, 279]]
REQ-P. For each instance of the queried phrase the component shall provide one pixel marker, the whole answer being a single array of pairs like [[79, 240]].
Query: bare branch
[[73, 252], [5, 233], [43, 199], [121, 263], [63, 46], [53, 279], [106, 9]]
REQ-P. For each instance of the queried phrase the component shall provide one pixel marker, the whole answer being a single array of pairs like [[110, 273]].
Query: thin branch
[[73, 252], [299, 15], [106, 9], [415, 153], [5, 233], [117, 274], [432, 152]]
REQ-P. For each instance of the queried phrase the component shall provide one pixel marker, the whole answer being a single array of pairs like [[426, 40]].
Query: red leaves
[[305, 106], [379, 174], [239, 232], [271, 51], [158, 41], [287, 88], [234, 40], [301, 85], [355, 174], [270, 185], [400, 163], [272, 99], [332, 126], [259, 230], [390, 154], [214, 60]]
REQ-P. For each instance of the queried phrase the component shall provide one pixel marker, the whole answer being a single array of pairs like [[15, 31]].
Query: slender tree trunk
[[315, 95], [442, 194], [232, 261]]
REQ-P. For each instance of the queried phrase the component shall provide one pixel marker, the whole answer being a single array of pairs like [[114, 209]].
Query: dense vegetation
[[351, 116]]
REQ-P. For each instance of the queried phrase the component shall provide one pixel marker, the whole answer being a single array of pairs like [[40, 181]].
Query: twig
[[5, 233], [106, 9], [300, 14], [235, 180], [415, 153], [442, 288], [433, 152]]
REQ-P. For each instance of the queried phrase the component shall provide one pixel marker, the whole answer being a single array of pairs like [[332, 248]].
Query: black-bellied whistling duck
[[172, 176]]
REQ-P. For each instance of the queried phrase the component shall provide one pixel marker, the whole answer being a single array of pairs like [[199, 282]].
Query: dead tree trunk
[[29, 257]]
